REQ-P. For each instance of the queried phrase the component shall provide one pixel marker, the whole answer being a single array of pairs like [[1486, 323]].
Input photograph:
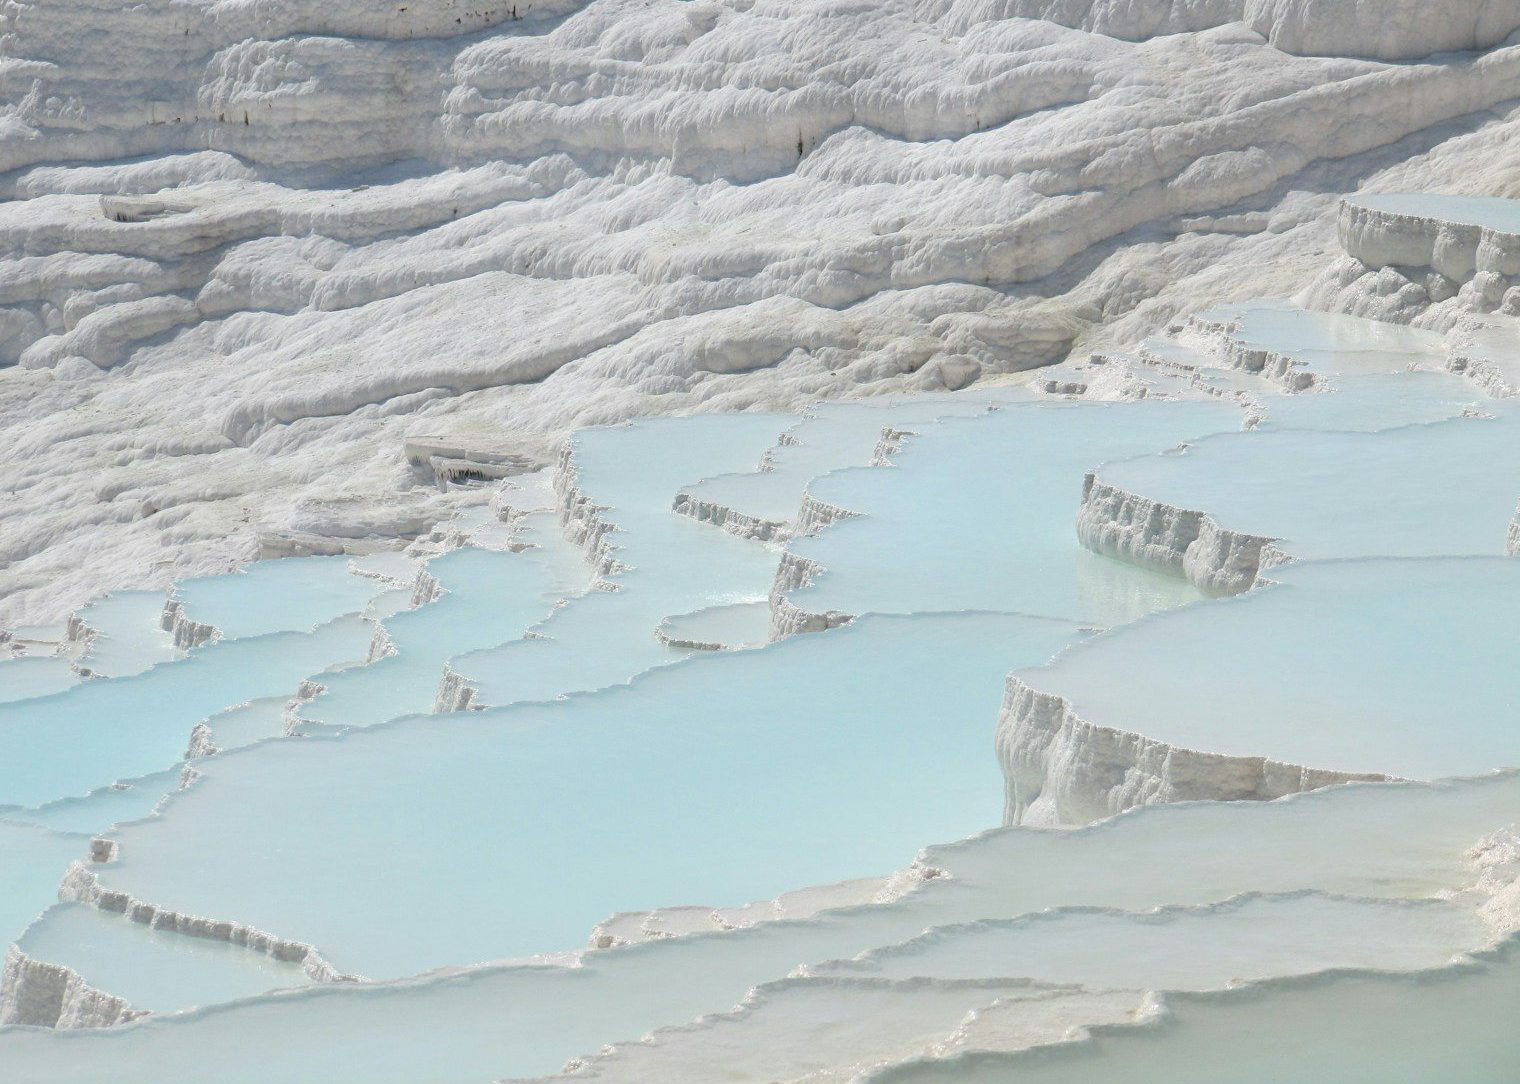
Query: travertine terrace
[[699, 541]]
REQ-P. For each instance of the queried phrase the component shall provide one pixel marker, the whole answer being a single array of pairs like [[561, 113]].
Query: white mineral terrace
[[694, 541]]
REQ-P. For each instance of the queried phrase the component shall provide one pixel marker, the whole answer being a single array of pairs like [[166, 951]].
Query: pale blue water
[[97, 811], [691, 785], [1332, 344], [250, 722], [128, 636], [1496, 213], [677, 564], [1444, 488], [35, 675], [150, 968], [1397, 666], [1369, 402], [1352, 1029], [293, 595], [33, 860], [1197, 948], [744, 624], [663, 780], [526, 1021], [830, 436], [121, 728], [979, 512], [491, 596]]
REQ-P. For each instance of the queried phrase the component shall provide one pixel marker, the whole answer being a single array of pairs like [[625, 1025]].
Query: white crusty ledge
[[663, 634], [794, 572], [187, 634], [1487, 352], [1060, 769], [787, 618], [581, 519], [815, 515], [48, 995], [1178, 541], [730, 519], [1458, 252], [291, 719], [455, 692], [82, 885], [1221, 342], [889, 444], [632, 927]]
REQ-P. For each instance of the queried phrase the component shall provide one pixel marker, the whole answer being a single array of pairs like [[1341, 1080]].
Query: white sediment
[[794, 572], [582, 519], [455, 692], [41, 994], [1179, 541], [632, 927], [815, 515], [1487, 352], [187, 634], [82, 885], [787, 618], [1060, 769], [1221, 341], [888, 445], [730, 519], [1461, 253], [291, 718], [805, 1029]]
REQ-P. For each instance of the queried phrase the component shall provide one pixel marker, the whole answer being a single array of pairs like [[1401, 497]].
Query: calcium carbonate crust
[[82, 885], [634, 927], [812, 516], [1427, 270], [1060, 769], [41, 994], [1044, 1010], [1007, 1012], [1458, 254], [995, 1064], [1177, 541], [535, 245], [1285, 370]]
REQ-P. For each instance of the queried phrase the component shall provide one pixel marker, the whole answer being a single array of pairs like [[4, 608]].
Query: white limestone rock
[[252, 253], [1060, 769]]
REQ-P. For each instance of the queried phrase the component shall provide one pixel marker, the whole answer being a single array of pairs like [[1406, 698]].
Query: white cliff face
[[280, 243]]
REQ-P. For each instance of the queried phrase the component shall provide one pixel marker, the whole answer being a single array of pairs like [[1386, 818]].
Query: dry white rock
[[252, 250]]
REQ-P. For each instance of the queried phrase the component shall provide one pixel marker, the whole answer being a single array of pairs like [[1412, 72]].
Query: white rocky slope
[[251, 250]]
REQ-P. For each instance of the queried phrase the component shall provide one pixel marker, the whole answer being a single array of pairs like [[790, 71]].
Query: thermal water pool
[[1395, 841]]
